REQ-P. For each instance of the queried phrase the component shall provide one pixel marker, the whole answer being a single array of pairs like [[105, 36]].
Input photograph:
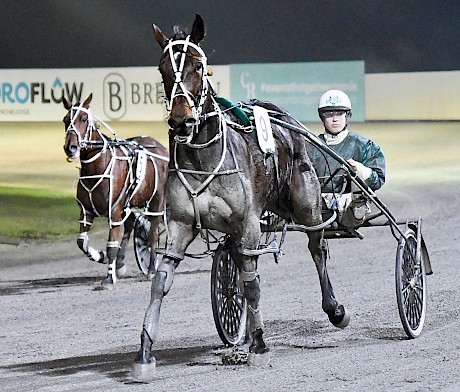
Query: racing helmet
[[334, 100]]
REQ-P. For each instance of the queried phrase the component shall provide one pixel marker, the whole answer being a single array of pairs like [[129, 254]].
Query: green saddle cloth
[[238, 112]]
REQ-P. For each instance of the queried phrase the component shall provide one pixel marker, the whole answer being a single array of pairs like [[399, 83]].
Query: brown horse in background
[[116, 176]]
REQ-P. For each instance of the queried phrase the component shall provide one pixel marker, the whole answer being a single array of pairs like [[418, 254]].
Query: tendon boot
[[111, 277], [112, 249]]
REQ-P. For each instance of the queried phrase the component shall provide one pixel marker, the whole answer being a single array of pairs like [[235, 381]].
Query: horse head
[[183, 67], [79, 125]]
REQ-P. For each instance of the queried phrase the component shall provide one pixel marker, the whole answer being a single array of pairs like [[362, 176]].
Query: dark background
[[390, 36]]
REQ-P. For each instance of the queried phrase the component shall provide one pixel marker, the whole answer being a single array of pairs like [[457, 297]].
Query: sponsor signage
[[119, 94], [136, 93], [297, 87]]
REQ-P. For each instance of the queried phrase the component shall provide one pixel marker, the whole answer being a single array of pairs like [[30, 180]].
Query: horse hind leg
[[337, 314], [127, 230]]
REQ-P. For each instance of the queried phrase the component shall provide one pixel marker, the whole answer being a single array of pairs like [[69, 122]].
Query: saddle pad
[[238, 112]]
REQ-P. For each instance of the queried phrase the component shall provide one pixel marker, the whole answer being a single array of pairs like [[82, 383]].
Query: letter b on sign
[[114, 96]]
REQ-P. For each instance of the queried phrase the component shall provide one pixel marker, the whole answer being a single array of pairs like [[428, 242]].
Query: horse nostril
[[172, 123], [71, 149]]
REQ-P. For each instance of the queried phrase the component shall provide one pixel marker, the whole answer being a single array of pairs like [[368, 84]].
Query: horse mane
[[178, 33]]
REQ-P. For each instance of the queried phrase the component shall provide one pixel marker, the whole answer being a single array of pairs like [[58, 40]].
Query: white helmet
[[334, 100]]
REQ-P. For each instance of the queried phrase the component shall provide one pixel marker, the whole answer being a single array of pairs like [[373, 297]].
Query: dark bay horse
[[221, 180], [116, 177]]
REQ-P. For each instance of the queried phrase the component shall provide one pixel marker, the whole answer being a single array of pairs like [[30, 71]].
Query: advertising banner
[[136, 93], [297, 87], [119, 94]]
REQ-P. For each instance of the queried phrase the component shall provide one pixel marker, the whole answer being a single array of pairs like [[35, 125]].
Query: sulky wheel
[[411, 284], [228, 305], [142, 247]]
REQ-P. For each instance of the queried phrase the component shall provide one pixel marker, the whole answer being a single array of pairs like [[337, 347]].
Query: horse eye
[[199, 67], [84, 119]]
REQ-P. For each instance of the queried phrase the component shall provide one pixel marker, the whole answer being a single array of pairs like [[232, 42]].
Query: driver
[[364, 155]]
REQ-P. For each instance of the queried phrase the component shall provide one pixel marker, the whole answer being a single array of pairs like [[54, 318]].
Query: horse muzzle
[[72, 152], [182, 127]]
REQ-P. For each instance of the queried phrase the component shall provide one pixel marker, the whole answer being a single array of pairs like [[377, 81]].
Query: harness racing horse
[[116, 176], [221, 180]]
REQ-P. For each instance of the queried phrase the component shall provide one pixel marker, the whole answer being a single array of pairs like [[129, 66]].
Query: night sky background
[[390, 36]]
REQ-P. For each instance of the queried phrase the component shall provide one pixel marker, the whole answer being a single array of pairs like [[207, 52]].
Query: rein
[[179, 89]]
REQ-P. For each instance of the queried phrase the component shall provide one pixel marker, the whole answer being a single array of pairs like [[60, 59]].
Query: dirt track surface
[[60, 332]]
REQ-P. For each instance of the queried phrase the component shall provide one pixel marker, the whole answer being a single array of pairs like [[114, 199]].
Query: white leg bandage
[[112, 250], [83, 244]]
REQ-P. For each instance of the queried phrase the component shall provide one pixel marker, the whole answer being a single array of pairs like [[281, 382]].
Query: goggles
[[333, 113]]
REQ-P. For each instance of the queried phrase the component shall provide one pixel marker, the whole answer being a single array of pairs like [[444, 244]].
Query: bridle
[[196, 103], [85, 141]]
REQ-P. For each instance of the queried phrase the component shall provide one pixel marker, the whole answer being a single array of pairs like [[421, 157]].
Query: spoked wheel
[[411, 284], [228, 304], [141, 243]]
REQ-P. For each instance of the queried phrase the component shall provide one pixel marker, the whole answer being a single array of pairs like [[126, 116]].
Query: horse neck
[[210, 126], [205, 158]]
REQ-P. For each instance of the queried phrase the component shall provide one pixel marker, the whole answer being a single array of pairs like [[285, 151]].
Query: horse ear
[[67, 104], [198, 30], [159, 36], [88, 100]]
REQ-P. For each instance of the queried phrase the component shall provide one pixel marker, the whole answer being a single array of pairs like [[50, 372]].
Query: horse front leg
[[83, 243], [180, 236], [154, 236], [112, 250], [337, 314], [258, 351]]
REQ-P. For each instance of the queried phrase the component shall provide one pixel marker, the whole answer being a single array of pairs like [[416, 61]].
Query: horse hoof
[[341, 317], [259, 360], [108, 280], [121, 272], [102, 258], [144, 372], [345, 321]]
